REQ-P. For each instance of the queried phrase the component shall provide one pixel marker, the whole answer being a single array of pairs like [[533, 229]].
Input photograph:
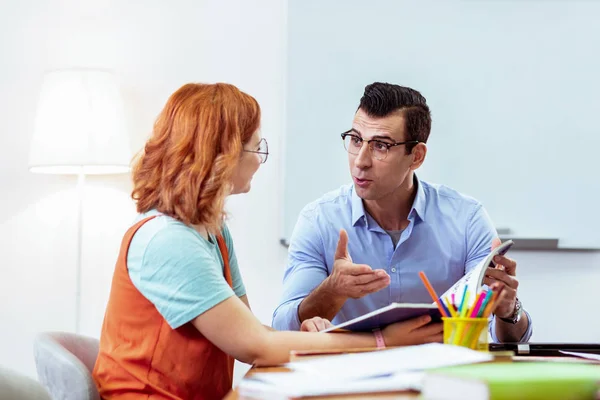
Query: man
[[361, 247]]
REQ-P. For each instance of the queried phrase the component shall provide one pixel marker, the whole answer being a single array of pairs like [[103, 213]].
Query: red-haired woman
[[178, 314]]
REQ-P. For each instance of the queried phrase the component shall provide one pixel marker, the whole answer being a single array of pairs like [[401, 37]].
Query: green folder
[[514, 380]]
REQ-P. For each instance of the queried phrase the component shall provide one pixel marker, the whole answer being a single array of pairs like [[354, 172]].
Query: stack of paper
[[300, 384], [368, 372], [386, 362]]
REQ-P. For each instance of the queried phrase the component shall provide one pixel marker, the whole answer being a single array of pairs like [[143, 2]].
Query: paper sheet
[[386, 362], [589, 356], [301, 384]]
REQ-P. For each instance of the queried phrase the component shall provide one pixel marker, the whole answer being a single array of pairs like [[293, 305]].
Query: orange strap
[[225, 256]]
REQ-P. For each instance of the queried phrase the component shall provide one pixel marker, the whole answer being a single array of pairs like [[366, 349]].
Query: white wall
[[493, 92], [560, 290], [154, 47], [454, 52]]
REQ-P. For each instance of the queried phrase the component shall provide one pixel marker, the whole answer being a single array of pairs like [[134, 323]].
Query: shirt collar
[[420, 202], [358, 208]]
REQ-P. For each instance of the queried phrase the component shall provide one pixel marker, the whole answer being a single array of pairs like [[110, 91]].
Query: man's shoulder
[[331, 201], [446, 194]]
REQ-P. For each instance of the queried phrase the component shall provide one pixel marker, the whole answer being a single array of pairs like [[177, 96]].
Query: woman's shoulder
[[160, 222], [165, 234]]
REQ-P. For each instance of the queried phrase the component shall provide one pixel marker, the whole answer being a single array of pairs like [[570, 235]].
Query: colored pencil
[[432, 293]]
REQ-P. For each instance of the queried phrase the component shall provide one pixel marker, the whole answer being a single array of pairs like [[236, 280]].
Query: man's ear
[[418, 152]]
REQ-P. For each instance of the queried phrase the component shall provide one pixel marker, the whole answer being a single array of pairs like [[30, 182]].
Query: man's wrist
[[515, 316], [332, 293], [321, 302]]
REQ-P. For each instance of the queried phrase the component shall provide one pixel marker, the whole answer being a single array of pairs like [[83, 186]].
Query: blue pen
[[448, 313]]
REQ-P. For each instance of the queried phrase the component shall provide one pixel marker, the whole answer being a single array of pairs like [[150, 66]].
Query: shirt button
[[393, 269]]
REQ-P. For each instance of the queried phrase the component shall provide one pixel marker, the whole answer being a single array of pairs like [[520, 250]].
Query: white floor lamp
[[80, 130]]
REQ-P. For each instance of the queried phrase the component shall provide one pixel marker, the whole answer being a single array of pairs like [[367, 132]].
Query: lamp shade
[[80, 125]]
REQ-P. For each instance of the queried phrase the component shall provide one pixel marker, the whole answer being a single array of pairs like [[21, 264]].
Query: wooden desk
[[233, 395]]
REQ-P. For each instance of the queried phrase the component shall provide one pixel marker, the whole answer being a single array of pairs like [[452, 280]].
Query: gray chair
[[64, 363], [15, 386]]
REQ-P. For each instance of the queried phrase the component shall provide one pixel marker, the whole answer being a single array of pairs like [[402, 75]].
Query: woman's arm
[[232, 327], [315, 324], [244, 300]]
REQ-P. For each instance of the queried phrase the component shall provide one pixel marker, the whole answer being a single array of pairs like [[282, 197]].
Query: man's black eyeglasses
[[353, 143]]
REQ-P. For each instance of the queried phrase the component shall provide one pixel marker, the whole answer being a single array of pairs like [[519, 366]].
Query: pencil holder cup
[[466, 332]]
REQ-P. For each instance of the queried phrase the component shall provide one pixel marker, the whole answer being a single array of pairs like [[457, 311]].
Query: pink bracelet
[[379, 339]]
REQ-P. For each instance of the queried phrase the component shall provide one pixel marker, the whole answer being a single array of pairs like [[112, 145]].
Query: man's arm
[[306, 269], [481, 236], [508, 332], [308, 290], [505, 275], [321, 302], [347, 280]]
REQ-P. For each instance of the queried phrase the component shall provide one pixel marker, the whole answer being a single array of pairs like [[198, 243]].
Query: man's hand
[[504, 274], [349, 280], [315, 324], [418, 330]]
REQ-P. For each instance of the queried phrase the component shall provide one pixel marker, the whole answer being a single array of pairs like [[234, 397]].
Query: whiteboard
[[513, 87]]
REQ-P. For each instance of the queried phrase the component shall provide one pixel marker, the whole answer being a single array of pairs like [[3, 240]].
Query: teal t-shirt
[[179, 271]]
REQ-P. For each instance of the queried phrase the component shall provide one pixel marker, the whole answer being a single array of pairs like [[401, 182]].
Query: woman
[[178, 314]]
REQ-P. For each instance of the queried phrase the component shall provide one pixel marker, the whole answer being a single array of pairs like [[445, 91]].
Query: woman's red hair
[[186, 167]]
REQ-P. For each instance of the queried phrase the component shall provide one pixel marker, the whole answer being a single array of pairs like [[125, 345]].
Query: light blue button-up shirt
[[448, 234]]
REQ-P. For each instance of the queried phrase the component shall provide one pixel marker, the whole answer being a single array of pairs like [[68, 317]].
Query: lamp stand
[[80, 195]]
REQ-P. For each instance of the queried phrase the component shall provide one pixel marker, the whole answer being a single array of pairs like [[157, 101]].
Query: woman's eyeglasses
[[262, 149]]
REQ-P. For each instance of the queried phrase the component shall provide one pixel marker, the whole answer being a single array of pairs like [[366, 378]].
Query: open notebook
[[471, 283]]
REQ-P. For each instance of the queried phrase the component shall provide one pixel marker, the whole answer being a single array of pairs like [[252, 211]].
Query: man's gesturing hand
[[351, 280]]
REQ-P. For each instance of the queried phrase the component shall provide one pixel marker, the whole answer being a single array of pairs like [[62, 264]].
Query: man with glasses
[[362, 246]]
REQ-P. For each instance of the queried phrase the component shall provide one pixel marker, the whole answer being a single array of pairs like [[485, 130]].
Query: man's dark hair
[[382, 99]]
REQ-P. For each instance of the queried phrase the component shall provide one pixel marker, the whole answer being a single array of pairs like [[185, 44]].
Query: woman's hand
[[413, 331]]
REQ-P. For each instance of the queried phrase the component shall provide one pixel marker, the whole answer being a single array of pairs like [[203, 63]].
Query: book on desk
[[523, 380]]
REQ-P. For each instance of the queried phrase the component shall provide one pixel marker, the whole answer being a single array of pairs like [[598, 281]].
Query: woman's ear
[[418, 152]]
